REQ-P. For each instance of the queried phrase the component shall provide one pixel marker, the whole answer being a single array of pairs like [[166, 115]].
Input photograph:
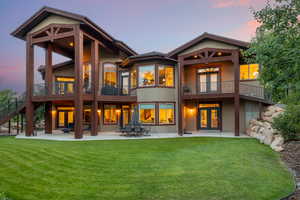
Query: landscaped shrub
[[3, 196], [288, 123]]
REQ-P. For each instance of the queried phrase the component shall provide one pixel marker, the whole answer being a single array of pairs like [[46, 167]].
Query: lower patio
[[59, 136]]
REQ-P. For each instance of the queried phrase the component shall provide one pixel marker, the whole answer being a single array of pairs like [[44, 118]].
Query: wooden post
[[180, 96], [49, 69], [78, 101], [29, 86], [8, 111], [48, 118], [236, 64], [18, 128], [22, 123], [95, 87]]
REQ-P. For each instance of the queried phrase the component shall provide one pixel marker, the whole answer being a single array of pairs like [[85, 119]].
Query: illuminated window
[[110, 74], [147, 76], [166, 113], [64, 85], [110, 114], [87, 78], [133, 78], [166, 76], [147, 113], [249, 72]]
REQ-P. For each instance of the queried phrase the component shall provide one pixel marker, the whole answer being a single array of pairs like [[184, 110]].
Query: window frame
[[103, 73], [156, 82], [157, 71], [103, 113], [248, 79], [174, 113], [155, 113], [138, 75], [156, 120]]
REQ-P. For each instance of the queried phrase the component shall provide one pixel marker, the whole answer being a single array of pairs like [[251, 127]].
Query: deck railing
[[223, 87], [116, 90]]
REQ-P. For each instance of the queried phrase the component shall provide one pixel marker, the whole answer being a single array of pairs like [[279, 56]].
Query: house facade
[[203, 85]]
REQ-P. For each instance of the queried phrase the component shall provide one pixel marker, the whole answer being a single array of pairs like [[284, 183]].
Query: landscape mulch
[[291, 156]]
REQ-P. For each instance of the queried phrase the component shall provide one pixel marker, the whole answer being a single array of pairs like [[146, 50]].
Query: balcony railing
[[224, 87], [116, 90]]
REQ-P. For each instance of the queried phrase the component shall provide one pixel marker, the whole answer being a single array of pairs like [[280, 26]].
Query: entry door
[[209, 118], [208, 82], [125, 115], [65, 118], [125, 83]]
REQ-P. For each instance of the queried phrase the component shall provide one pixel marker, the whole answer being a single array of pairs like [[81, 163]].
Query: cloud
[[235, 3], [245, 31]]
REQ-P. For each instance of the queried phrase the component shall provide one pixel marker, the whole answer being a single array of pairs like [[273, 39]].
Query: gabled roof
[[45, 12], [149, 54], [210, 36]]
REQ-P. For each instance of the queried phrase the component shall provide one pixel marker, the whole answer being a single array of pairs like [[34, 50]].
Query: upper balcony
[[224, 89]]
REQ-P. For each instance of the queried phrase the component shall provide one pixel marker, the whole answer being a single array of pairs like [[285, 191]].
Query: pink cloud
[[235, 3], [246, 31]]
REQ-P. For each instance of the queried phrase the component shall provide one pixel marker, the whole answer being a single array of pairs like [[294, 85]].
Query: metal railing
[[116, 90], [12, 106], [223, 87]]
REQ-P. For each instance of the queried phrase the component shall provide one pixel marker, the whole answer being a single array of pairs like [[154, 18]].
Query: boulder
[[263, 130]]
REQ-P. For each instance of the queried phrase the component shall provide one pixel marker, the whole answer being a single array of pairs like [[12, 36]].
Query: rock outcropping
[[263, 130]]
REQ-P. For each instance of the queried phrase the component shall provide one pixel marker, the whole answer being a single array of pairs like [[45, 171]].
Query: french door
[[208, 82], [125, 83], [209, 117], [125, 118], [65, 118]]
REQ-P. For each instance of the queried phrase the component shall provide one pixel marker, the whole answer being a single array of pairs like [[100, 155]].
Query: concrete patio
[[58, 136]]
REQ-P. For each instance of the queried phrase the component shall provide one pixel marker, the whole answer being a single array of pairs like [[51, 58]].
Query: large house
[[200, 86]]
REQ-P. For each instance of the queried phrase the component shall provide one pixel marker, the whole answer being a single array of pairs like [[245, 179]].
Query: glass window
[[110, 74], [166, 113], [166, 76], [87, 78], [249, 72], [110, 114], [147, 113], [147, 76], [133, 78]]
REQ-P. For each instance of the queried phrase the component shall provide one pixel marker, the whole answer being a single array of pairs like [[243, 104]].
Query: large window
[[133, 78], [166, 76], [147, 76], [147, 113], [110, 74], [87, 78], [110, 114], [166, 113], [249, 72]]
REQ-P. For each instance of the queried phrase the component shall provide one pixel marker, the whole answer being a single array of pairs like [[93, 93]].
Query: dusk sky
[[144, 25]]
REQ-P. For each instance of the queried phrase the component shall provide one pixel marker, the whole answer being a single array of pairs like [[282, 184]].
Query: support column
[[48, 118], [78, 101], [18, 128], [236, 64], [49, 69], [22, 123], [95, 87], [180, 97], [29, 86]]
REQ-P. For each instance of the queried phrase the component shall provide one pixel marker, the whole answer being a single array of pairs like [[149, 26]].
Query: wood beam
[[49, 69], [236, 64], [95, 86], [29, 86], [78, 101], [180, 101], [48, 118]]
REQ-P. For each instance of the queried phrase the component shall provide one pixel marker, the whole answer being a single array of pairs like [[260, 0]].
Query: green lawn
[[182, 168]]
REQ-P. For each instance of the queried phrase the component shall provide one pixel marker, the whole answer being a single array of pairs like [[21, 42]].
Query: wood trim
[[49, 69], [29, 86], [48, 117], [236, 93], [95, 86], [78, 82]]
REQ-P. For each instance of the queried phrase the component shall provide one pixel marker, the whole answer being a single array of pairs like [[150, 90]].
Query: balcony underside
[[85, 98]]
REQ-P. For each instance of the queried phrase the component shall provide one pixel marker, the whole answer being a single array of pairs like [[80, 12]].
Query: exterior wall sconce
[[53, 112]]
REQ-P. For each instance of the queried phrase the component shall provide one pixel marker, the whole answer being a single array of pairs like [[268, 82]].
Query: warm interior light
[[191, 110], [118, 111], [71, 44], [195, 56], [99, 111], [53, 112], [219, 53]]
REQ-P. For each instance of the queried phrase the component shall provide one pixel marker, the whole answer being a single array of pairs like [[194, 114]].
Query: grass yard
[[178, 168]]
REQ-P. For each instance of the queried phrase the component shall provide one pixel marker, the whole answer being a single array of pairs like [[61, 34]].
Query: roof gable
[[207, 40]]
